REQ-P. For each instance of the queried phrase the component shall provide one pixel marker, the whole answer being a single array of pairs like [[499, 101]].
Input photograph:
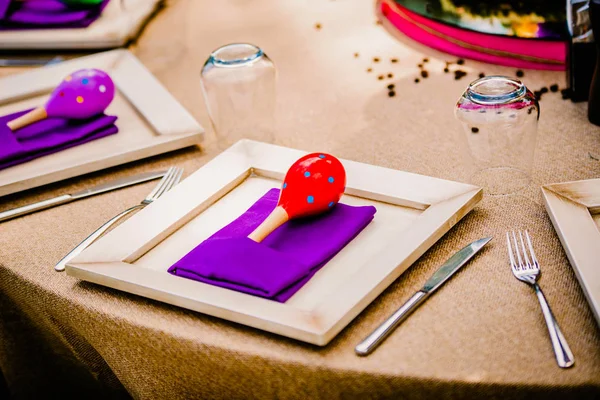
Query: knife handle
[[371, 342], [30, 208]]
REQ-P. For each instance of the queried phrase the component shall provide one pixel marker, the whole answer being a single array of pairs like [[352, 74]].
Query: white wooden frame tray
[[413, 212], [574, 208], [150, 120], [114, 28]]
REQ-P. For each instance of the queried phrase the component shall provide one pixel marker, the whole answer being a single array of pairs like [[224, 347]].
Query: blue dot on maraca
[[331, 203], [284, 185], [310, 199], [85, 81], [306, 174], [321, 155], [330, 179]]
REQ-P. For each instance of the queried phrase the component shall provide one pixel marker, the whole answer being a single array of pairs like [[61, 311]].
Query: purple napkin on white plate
[[35, 14], [49, 136], [281, 264]]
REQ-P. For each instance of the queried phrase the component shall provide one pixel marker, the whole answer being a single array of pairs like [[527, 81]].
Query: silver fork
[[170, 179], [527, 269]]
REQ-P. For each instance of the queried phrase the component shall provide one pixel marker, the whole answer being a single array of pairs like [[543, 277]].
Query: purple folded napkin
[[280, 265], [49, 136], [35, 14]]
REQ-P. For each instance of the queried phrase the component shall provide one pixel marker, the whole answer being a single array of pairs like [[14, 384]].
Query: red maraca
[[312, 185], [81, 95]]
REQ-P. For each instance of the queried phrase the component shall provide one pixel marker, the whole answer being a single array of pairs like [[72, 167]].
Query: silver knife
[[440, 276], [67, 198]]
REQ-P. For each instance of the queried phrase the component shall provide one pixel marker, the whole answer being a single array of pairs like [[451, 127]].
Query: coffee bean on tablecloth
[[417, 80], [566, 94], [391, 86], [426, 60], [460, 61], [390, 75], [369, 69], [420, 65], [554, 88], [317, 26], [380, 77], [475, 129], [424, 74], [544, 90], [375, 59], [446, 70], [356, 55], [391, 93], [458, 74], [481, 75], [520, 73], [394, 60]]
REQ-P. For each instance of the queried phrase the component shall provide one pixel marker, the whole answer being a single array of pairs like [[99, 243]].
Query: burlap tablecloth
[[482, 335]]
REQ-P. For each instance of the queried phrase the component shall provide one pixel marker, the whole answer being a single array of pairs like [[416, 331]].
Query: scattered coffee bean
[[498, 112], [520, 73], [356, 55], [458, 74], [426, 60], [394, 60], [446, 70], [369, 69], [417, 80], [420, 65], [424, 74], [460, 61], [565, 93], [380, 77], [318, 26], [376, 59], [482, 75], [544, 90], [391, 86], [475, 129], [554, 88], [391, 93], [390, 75]]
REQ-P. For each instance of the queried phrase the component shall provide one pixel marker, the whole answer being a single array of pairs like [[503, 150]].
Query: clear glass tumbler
[[238, 81], [499, 116]]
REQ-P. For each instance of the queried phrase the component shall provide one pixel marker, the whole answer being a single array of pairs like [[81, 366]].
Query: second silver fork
[[527, 269], [170, 179]]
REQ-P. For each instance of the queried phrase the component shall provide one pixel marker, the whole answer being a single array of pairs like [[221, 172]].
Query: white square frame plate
[[333, 297], [574, 208], [150, 120], [114, 28]]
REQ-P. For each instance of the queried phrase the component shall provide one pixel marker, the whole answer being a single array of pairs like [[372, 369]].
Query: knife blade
[[67, 198], [449, 268]]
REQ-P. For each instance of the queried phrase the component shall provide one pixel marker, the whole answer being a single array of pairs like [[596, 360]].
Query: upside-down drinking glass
[[238, 81], [499, 116]]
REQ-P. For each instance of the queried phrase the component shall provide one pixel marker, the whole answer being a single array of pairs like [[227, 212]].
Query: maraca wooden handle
[[277, 218], [32, 116]]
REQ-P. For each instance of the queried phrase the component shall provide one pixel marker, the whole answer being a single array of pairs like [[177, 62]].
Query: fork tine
[[525, 256], [534, 260], [516, 244], [168, 183], [177, 178], [160, 184], [513, 264]]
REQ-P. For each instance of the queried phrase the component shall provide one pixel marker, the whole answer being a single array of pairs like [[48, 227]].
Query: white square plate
[[150, 120], [413, 212]]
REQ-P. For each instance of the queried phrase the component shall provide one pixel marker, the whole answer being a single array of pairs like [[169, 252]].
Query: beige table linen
[[482, 335]]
